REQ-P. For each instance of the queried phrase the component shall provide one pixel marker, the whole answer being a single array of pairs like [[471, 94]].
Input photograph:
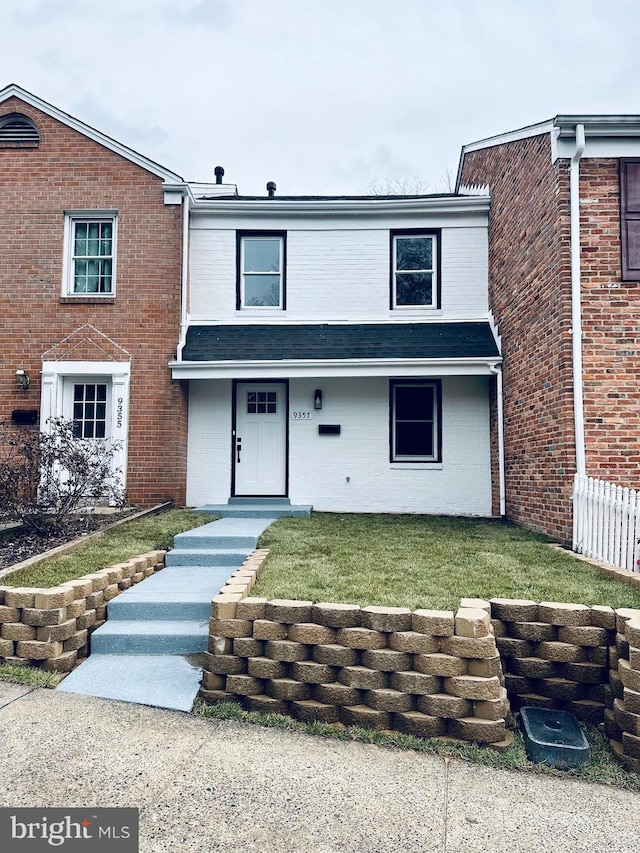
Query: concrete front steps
[[256, 508], [148, 649]]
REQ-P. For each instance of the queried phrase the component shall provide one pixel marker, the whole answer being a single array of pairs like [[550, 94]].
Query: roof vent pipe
[[219, 173], [271, 189]]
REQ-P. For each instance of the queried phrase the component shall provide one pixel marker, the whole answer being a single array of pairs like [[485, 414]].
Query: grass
[[602, 768], [424, 561], [29, 675], [113, 546]]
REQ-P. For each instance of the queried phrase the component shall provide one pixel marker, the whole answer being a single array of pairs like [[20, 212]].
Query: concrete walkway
[[149, 649], [207, 785]]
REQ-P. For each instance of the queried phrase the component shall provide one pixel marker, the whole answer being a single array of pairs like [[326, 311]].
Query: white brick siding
[[336, 273], [319, 465]]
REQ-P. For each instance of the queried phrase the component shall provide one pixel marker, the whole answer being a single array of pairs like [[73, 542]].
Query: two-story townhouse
[[564, 283], [91, 272], [340, 351]]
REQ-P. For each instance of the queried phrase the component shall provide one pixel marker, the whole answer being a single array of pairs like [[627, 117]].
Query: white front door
[[260, 441], [87, 402]]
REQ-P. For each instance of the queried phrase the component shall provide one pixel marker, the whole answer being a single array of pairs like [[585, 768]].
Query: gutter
[[576, 307], [496, 369], [184, 316]]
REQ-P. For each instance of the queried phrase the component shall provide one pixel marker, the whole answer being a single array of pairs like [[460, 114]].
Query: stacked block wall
[[69, 171], [622, 714], [427, 673], [555, 655], [51, 628]]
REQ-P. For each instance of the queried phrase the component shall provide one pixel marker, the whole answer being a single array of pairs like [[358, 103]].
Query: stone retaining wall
[[427, 673], [51, 627], [555, 655], [622, 714]]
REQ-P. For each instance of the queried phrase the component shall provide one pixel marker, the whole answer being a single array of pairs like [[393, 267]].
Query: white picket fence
[[606, 522]]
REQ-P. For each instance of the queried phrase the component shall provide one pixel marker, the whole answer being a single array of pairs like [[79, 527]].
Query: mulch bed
[[19, 545]]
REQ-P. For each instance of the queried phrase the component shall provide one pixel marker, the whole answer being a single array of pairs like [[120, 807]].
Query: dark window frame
[[240, 236], [436, 384], [627, 216], [436, 233]]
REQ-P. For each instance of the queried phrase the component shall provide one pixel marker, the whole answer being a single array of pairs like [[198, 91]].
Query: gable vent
[[18, 131]]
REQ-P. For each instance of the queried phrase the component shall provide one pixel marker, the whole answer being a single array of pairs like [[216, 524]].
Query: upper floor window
[[90, 255], [630, 218], [414, 270], [261, 270]]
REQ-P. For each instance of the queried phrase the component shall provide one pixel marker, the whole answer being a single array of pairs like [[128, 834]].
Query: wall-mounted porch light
[[317, 399], [22, 379]]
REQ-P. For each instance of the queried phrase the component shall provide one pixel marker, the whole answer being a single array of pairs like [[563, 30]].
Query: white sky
[[320, 96]]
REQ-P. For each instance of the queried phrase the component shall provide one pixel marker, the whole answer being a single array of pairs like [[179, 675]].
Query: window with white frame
[[414, 270], [90, 255], [90, 409], [415, 420], [261, 269]]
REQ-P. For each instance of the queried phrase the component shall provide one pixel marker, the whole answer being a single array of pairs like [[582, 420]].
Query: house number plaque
[[299, 415]]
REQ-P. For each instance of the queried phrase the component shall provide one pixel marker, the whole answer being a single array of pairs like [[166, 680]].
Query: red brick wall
[[70, 171], [529, 284], [611, 334]]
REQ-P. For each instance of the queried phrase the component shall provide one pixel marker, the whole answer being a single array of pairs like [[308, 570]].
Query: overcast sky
[[320, 96]]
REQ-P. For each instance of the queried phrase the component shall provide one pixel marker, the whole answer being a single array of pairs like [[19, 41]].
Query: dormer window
[[18, 131]]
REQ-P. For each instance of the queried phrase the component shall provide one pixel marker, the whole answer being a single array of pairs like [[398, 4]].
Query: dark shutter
[[630, 218]]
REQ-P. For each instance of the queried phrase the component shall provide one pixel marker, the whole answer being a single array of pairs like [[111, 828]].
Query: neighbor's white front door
[[87, 401], [260, 441]]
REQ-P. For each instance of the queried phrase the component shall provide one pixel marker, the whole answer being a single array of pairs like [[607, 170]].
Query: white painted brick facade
[[320, 464], [337, 273], [338, 269]]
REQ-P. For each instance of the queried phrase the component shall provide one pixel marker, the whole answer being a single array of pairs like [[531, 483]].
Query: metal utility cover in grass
[[554, 738]]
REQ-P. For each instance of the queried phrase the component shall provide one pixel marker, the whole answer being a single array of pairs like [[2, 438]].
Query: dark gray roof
[[338, 341], [380, 197]]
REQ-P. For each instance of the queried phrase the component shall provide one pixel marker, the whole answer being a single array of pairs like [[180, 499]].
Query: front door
[[260, 441]]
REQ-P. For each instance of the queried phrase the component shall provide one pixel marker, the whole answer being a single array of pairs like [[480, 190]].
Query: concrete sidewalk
[[207, 785]]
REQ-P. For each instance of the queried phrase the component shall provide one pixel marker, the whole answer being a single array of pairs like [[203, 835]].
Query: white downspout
[[576, 308], [497, 370], [184, 318]]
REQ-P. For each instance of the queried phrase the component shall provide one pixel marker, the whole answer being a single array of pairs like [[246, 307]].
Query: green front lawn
[[113, 546], [424, 561]]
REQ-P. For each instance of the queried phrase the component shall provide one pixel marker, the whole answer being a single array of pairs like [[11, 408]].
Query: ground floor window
[[90, 409], [415, 420]]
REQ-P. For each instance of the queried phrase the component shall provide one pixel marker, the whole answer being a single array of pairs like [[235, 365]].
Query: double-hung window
[[90, 255], [415, 420], [414, 270], [261, 270]]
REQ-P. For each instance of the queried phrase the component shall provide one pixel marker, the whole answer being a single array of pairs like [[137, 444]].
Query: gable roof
[[14, 91], [561, 127]]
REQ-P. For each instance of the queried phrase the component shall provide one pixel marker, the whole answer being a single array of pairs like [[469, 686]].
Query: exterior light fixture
[[22, 379], [317, 399]]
